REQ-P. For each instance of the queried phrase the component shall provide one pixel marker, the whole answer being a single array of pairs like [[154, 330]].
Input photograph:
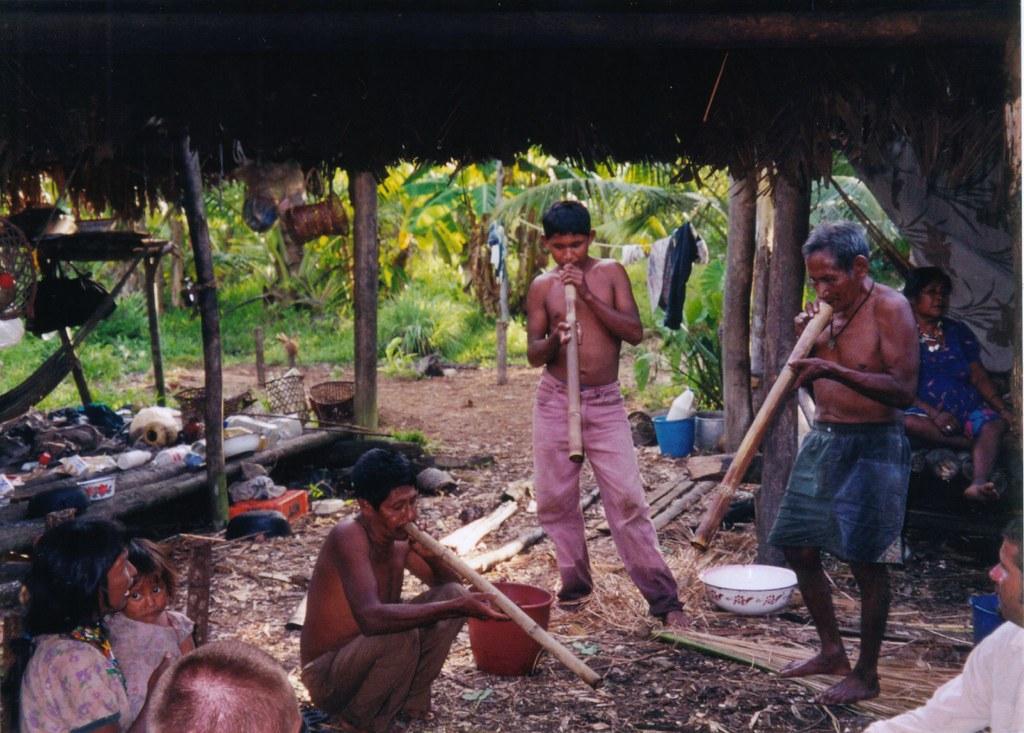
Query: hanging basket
[[333, 401], [193, 403], [287, 396], [310, 221]]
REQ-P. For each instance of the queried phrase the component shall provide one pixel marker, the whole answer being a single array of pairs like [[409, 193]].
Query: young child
[[146, 631], [606, 315]]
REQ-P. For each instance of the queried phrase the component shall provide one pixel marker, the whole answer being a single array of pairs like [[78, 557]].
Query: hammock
[[16, 401]]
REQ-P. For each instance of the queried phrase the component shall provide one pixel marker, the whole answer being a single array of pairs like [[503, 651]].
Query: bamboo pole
[[152, 266], [709, 525], [572, 375], [514, 612]]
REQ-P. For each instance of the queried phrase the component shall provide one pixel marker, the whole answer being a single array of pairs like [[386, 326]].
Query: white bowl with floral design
[[749, 589]]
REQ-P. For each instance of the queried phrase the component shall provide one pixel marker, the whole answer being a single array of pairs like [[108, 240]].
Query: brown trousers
[[371, 679]]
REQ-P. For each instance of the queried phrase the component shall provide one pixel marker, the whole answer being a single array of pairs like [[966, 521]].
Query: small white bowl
[[97, 489], [749, 589]]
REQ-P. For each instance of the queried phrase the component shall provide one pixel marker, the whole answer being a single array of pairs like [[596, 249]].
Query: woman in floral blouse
[[73, 682]]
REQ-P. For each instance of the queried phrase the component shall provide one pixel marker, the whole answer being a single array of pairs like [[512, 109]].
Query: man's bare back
[[605, 285]]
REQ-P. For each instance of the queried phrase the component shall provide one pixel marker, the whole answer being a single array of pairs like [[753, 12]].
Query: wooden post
[[363, 193], [1012, 125], [759, 307], [261, 366], [213, 416], [152, 301], [792, 204], [200, 569], [177, 255], [736, 309], [502, 325], [76, 367]]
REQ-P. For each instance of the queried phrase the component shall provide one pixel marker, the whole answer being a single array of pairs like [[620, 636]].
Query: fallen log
[[488, 560], [466, 538], [683, 503], [658, 499]]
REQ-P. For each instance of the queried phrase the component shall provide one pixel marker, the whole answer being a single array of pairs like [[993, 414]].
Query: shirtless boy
[[606, 316], [366, 655], [848, 489]]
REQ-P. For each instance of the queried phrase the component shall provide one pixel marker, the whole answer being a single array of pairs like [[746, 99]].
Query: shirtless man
[[848, 489], [366, 655], [606, 316]]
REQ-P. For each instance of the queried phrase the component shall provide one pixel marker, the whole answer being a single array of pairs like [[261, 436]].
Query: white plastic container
[[171, 456], [682, 406], [133, 458], [97, 489]]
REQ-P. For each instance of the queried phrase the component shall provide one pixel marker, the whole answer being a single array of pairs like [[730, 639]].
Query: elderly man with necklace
[[848, 488]]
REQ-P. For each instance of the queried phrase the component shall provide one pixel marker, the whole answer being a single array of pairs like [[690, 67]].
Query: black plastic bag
[[63, 301]]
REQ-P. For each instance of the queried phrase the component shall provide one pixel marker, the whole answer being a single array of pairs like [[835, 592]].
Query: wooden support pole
[[152, 311], [759, 305], [261, 366], [363, 193], [739, 280], [792, 204], [199, 233], [76, 367]]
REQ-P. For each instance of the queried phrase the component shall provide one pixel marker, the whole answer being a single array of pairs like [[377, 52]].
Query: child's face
[[147, 599], [569, 249]]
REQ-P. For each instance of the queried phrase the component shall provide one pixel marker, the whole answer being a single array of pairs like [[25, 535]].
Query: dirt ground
[[648, 685]]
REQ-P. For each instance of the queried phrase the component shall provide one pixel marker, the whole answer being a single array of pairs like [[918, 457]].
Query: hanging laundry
[[684, 251], [656, 272]]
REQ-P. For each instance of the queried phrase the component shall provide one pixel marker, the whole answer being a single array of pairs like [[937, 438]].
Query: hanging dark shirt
[[682, 254]]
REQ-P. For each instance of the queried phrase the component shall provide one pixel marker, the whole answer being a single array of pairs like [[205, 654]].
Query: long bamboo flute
[[755, 433], [572, 376], [514, 612]]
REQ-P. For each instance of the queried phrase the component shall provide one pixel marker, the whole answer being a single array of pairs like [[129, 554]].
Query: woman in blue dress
[[957, 404]]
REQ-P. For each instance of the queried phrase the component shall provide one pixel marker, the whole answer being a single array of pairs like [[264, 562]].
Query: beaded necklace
[[932, 341], [95, 635]]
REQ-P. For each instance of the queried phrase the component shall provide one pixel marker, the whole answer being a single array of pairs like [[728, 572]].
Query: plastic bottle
[[682, 406]]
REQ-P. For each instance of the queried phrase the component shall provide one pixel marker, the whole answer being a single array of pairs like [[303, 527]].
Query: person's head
[[224, 686], [154, 584], [836, 255], [1007, 574], [567, 232], [79, 571], [928, 289], [384, 484]]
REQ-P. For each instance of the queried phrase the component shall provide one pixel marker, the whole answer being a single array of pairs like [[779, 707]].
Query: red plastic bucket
[[501, 647]]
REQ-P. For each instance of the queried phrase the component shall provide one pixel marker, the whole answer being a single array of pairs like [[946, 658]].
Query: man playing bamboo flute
[[607, 316], [366, 655], [848, 488]]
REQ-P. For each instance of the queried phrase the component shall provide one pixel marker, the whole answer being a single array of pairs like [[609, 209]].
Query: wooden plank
[[658, 499], [682, 503]]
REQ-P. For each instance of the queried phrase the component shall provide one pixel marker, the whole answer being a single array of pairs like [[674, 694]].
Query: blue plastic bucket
[[985, 615], [675, 437]]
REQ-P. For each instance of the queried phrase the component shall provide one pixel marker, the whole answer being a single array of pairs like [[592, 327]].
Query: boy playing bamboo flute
[[606, 316]]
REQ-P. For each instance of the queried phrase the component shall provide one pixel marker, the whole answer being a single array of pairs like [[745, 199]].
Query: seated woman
[[957, 404], [73, 682]]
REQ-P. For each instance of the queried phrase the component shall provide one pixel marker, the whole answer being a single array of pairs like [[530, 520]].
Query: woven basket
[[287, 396], [193, 403], [333, 401]]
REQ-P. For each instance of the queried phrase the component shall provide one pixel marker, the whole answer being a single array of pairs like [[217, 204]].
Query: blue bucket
[[675, 437], [985, 615]]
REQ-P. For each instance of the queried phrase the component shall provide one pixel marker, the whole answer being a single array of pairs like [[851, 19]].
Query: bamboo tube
[[514, 612], [745, 453], [572, 376]]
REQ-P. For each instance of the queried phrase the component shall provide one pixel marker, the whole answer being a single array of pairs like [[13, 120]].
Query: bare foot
[[676, 620], [850, 689], [417, 714], [981, 492], [339, 723], [818, 664]]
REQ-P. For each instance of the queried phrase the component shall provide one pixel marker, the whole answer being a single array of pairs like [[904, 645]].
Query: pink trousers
[[608, 445]]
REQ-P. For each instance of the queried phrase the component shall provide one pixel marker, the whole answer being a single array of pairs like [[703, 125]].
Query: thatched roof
[[99, 91]]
